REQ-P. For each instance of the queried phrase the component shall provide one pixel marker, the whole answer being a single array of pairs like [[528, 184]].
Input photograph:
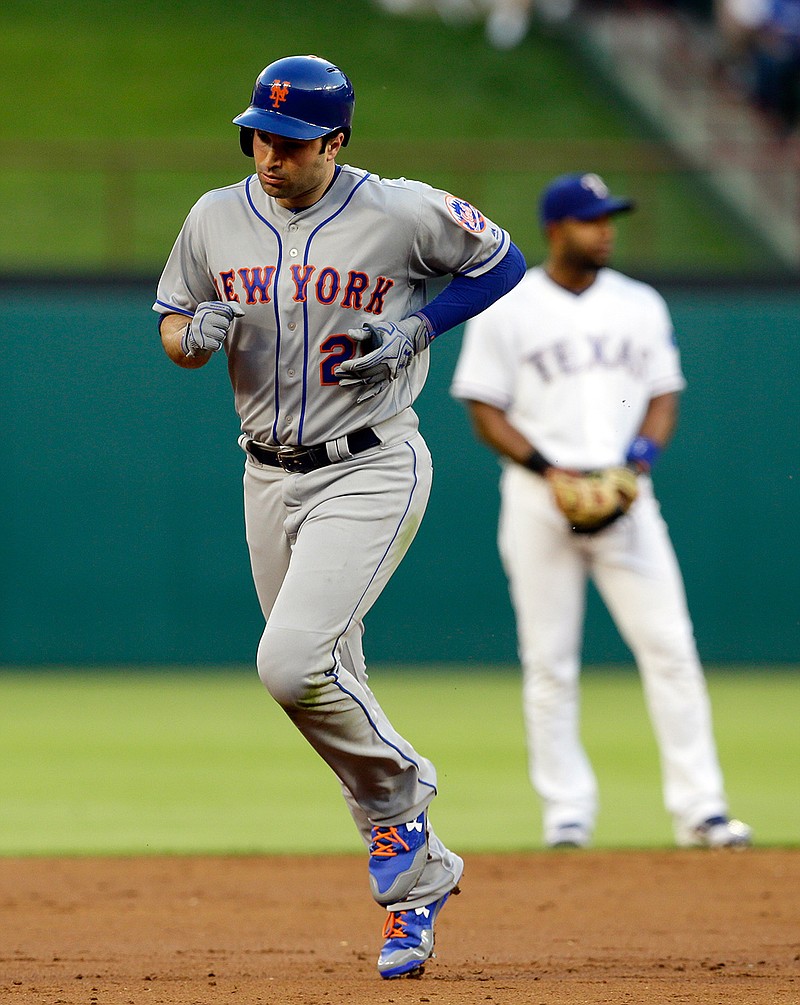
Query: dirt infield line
[[584, 928]]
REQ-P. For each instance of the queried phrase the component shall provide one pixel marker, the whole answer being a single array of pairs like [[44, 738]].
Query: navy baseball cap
[[579, 197]]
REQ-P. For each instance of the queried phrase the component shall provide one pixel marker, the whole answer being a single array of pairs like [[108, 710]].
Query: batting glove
[[209, 327], [391, 346]]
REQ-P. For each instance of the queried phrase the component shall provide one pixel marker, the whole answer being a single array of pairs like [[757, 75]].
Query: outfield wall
[[122, 535]]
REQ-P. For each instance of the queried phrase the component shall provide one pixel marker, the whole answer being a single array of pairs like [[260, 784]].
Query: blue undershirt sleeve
[[466, 296]]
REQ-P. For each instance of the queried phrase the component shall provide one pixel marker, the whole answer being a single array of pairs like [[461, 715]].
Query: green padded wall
[[122, 534]]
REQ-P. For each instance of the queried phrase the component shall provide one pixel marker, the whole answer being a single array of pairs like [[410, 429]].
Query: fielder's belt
[[300, 460]]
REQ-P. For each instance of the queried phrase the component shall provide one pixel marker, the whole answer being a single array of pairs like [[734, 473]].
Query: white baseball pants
[[634, 568]]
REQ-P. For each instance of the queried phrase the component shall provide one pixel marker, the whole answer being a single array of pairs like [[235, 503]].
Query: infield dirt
[[545, 928]]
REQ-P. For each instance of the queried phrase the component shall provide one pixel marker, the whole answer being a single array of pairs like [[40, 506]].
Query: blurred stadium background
[[116, 117]]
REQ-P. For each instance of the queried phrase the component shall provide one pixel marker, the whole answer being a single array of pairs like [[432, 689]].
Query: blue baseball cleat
[[397, 856], [409, 940]]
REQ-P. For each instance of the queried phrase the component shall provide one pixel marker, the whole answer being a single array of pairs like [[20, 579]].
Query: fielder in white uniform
[[577, 368], [312, 277]]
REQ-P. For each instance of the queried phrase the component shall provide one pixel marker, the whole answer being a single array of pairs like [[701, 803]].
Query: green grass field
[[143, 761]]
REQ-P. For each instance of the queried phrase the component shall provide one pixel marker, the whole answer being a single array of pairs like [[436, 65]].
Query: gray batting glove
[[391, 347], [209, 327]]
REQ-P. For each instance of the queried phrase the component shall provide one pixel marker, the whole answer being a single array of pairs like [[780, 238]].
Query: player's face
[[587, 244], [294, 172]]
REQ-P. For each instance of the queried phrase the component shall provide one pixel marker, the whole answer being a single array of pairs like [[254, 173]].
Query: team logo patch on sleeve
[[465, 214]]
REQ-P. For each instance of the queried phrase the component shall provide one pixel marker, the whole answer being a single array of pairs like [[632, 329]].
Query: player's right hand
[[209, 327]]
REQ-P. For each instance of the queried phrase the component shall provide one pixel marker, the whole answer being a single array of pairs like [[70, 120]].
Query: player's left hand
[[392, 345]]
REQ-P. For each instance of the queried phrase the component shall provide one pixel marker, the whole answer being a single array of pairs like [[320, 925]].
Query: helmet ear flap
[[246, 140]]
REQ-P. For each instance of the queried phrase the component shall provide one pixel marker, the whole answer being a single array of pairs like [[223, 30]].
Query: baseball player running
[[312, 278], [573, 378]]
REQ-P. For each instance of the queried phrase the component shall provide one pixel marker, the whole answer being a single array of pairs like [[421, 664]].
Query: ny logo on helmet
[[278, 92]]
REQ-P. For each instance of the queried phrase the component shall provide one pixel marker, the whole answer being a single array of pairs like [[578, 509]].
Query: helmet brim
[[281, 125]]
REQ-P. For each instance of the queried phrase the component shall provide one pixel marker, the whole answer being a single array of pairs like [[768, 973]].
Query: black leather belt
[[300, 460]]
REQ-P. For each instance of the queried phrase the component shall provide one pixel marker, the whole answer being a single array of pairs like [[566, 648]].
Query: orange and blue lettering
[[328, 285], [382, 287], [257, 280], [301, 275], [227, 285], [357, 282]]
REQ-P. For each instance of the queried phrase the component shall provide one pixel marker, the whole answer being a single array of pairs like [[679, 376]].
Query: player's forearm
[[464, 296], [492, 426], [172, 328], [654, 433], [660, 419]]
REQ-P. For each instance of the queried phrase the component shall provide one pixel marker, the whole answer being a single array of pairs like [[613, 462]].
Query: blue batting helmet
[[302, 97]]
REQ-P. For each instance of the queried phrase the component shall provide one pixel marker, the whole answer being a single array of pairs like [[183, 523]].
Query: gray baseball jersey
[[362, 253], [324, 543]]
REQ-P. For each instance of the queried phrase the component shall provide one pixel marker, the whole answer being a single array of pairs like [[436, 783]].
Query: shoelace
[[385, 841], [395, 926]]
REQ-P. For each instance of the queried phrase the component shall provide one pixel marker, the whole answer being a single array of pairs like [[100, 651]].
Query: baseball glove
[[592, 500]]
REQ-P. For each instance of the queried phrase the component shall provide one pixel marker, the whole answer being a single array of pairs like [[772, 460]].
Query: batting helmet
[[302, 97]]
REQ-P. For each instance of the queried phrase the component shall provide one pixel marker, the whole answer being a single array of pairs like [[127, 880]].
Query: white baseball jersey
[[573, 372], [361, 253]]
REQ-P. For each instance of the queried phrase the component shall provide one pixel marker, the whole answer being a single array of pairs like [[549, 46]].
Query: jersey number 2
[[337, 349]]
